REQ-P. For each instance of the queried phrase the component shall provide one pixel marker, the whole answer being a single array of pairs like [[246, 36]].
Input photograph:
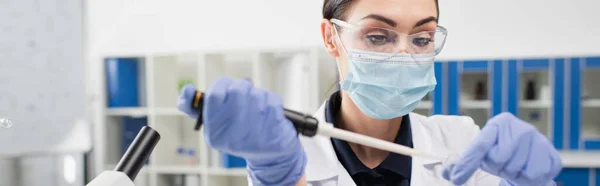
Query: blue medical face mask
[[385, 86]]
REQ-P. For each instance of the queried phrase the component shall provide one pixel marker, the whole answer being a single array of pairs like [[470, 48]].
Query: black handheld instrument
[[304, 124]]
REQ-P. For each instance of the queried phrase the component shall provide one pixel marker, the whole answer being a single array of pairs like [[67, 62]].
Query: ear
[[329, 38]]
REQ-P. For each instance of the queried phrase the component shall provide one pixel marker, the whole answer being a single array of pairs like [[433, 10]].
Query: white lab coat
[[442, 135]]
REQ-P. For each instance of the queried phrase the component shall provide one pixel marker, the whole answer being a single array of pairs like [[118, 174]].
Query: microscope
[[132, 161]]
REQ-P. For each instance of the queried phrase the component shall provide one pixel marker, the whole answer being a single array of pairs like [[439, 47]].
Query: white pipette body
[[327, 129]]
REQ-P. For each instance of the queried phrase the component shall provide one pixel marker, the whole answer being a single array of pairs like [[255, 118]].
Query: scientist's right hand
[[248, 122]]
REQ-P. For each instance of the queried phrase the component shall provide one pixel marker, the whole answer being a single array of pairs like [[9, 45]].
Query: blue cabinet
[[557, 107], [573, 177], [591, 144], [122, 82]]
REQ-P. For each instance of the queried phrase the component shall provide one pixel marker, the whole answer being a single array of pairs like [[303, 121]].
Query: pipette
[[309, 126]]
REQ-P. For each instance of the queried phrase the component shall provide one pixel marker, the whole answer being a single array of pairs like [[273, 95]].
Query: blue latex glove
[[248, 122], [511, 149]]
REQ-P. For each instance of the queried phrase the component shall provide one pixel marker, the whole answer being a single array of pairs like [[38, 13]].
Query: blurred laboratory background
[[79, 78]]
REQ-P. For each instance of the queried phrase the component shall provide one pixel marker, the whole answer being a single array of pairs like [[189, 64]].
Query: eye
[[422, 41], [378, 39]]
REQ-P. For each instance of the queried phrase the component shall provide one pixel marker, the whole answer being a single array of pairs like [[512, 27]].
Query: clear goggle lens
[[422, 45]]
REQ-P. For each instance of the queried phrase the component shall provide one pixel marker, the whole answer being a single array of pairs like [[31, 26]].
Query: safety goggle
[[383, 40]]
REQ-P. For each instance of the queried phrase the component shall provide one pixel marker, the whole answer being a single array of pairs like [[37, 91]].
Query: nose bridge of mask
[[379, 57], [406, 58]]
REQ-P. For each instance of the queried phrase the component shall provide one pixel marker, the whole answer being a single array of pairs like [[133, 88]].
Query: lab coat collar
[[323, 163], [424, 139]]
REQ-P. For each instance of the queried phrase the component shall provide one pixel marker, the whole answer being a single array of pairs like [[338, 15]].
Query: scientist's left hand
[[511, 149]]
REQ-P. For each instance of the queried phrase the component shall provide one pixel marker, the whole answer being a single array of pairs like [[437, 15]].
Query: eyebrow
[[382, 19], [393, 23], [425, 21]]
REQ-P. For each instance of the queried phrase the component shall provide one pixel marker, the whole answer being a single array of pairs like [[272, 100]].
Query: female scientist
[[384, 51]]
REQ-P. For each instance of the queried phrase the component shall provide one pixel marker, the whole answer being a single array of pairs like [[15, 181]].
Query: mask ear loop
[[339, 38]]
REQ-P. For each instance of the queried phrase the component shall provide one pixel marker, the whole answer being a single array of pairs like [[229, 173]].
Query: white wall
[[477, 29], [130, 26], [524, 28]]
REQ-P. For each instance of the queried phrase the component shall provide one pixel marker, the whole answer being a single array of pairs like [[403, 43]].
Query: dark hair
[[337, 8]]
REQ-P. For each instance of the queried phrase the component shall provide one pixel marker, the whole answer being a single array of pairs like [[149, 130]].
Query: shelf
[[424, 105], [578, 159], [143, 111], [127, 111], [168, 112], [178, 169], [161, 78], [227, 171], [537, 104], [476, 104], [592, 103]]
